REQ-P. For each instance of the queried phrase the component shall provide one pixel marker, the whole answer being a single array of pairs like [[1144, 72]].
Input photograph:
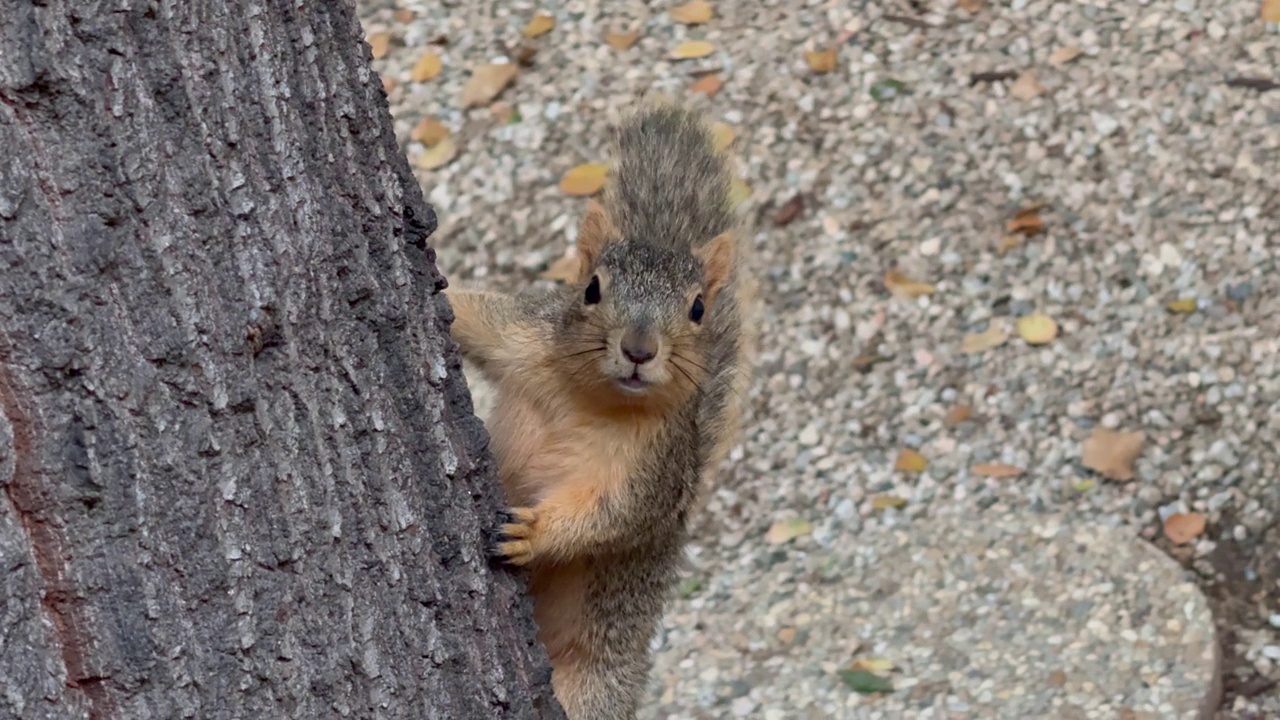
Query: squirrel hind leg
[[590, 689]]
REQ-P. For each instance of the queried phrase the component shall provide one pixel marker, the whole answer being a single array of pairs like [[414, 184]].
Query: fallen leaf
[[1084, 486], [1026, 87], [621, 41], [997, 470], [486, 82], [787, 530], [722, 135], [884, 502], [1037, 329], [696, 12], [427, 67], [585, 179], [994, 336], [438, 156], [525, 55], [875, 665], [708, 85], [380, 43], [1064, 55], [972, 6], [1111, 454], [738, 192], [861, 681], [402, 15], [1182, 528], [789, 211], [504, 113], [1182, 306], [822, 61], [1007, 243], [692, 49], [910, 461], [1270, 11], [957, 415], [429, 131], [539, 25], [904, 287], [1026, 221], [564, 269]]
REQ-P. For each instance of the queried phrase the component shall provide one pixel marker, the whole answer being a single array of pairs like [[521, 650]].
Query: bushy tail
[[668, 184]]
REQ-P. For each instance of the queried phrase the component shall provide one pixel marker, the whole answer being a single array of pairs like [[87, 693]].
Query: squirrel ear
[[717, 262], [594, 232]]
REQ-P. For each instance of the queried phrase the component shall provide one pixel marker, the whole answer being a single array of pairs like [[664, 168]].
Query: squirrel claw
[[515, 536]]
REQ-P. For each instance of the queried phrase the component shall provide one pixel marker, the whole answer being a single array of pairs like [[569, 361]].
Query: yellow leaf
[[993, 336], [910, 461], [1182, 528], [439, 156], [904, 287], [1182, 306], [1064, 55], [1112, 454], [822, 61], [429, 131], [786, 530], [486, 82], [875, 665], [692, 49], [427, 67], [1037, 329], [1271, 11], [723, 135], [708, 85], [884, 502], [564, 269], [585, 179], [996, 470], [1026, 87], [540, 24], [692, 13], [380, 43], [738, 192], [621, 41]]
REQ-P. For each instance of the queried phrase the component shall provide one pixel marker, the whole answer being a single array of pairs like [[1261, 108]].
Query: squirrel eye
[[592, 295], [695, 312]]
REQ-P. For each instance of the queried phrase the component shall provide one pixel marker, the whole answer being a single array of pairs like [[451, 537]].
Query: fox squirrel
[[615, 397]]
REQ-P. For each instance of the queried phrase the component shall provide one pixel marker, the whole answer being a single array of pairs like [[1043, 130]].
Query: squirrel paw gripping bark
[[517, 534]]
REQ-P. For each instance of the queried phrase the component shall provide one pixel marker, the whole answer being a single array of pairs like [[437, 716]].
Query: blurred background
[[1012, 449]]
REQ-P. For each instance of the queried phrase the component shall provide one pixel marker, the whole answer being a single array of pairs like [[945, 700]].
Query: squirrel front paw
[[516, 536]]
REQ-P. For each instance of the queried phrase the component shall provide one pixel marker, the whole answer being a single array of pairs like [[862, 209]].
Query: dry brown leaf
[[1182, 528], [972, 6], [692, 50], [438, 156], [1026, 87], [1064, 55], [993, 336], [957, 415], [539, 24], [708, 85], [429, 131], [1182, 306], [1037, 329], [402, 15], [822, 61], [997, 470], [789, 211], [621, 41], [1111, 454], [1270, 11], [884, 502], [904, 287], [565, 269], [1007, 243], [1026, 221], [585, 179], [380, 43], [722, 135], [486, 82], [525, 55], [910, 461], [696, 12], [427, 67]]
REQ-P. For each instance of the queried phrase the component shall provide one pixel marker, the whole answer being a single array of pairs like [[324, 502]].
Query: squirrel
[[616, 397]]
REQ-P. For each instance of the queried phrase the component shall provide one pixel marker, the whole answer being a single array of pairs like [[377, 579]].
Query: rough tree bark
[[240, 476]]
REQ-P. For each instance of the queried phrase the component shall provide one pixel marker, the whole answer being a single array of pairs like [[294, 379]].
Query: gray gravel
[[1159, 183]]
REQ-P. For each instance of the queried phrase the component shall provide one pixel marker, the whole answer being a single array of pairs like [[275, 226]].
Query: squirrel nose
[[639, 347]]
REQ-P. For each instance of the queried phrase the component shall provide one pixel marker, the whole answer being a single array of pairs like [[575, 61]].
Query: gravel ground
[[1157, 180]]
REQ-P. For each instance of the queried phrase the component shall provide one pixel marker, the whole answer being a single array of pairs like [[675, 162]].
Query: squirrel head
[[640, 320]]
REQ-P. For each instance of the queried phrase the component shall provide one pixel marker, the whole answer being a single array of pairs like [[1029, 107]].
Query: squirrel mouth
[[635, 383]]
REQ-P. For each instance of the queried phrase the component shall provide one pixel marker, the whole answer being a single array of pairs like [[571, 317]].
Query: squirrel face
[[639, 320]]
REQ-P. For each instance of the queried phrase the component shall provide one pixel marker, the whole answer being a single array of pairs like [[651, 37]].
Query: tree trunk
[[241, 473]]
